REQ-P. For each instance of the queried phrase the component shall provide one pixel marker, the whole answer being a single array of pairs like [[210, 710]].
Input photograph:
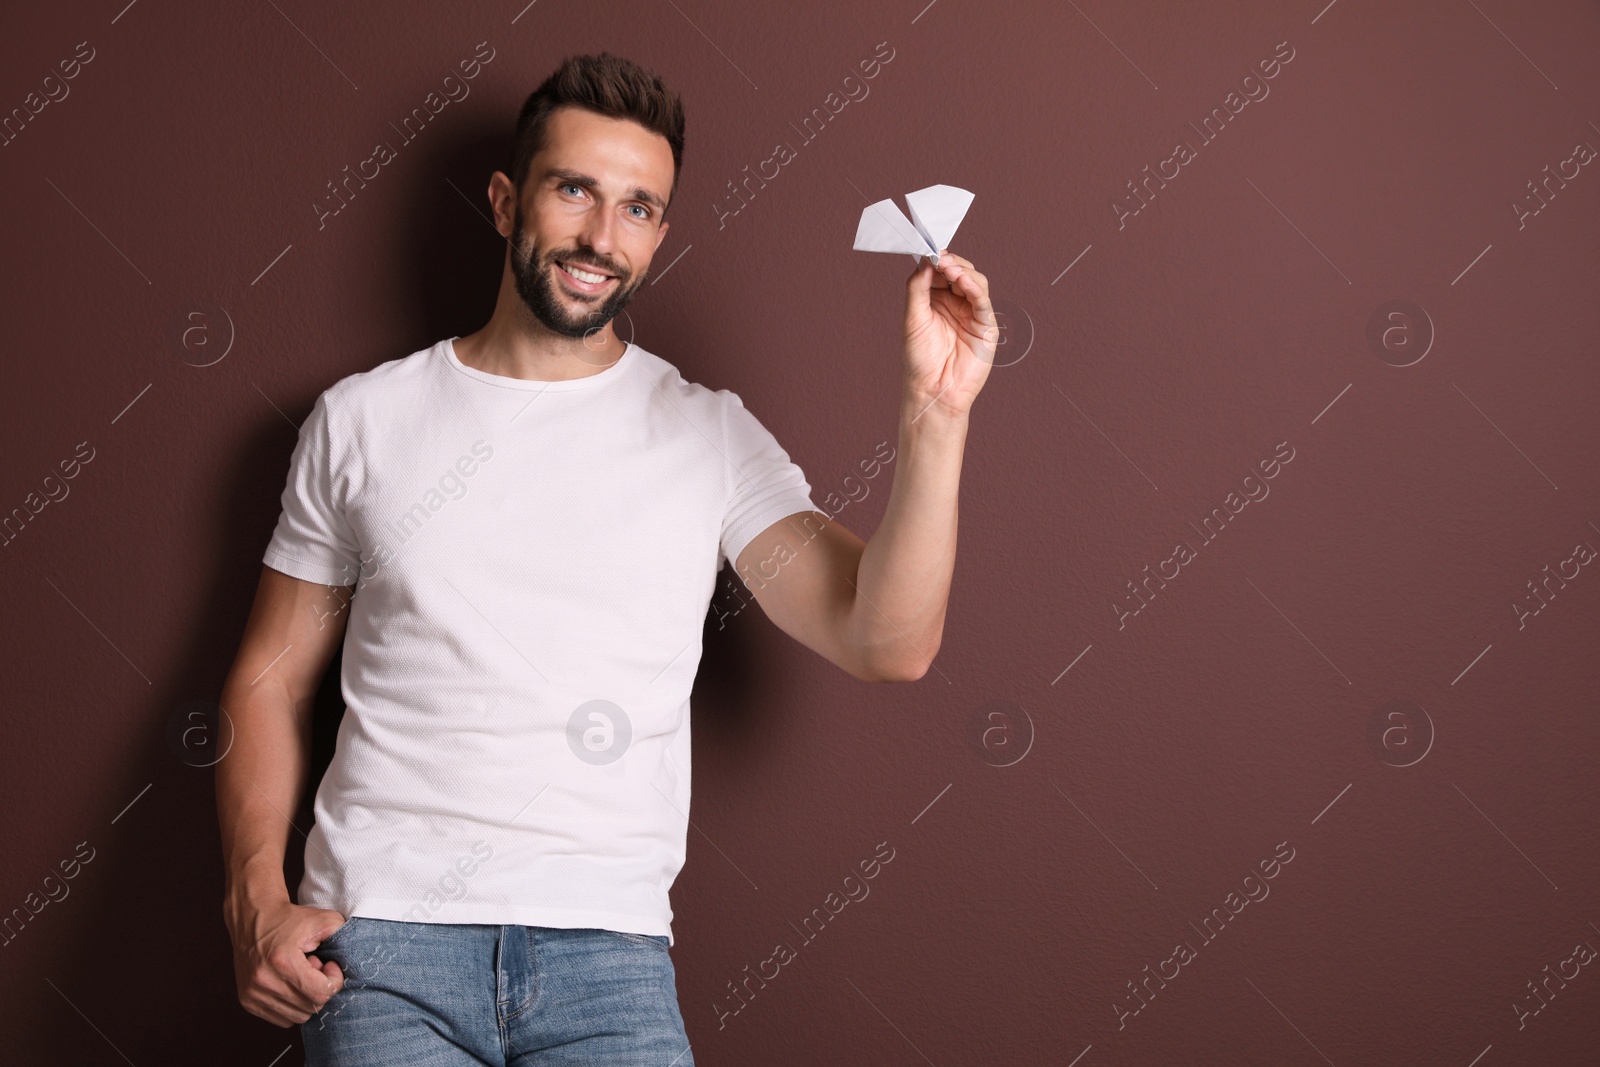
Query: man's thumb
[[334, 975], [921, 279]]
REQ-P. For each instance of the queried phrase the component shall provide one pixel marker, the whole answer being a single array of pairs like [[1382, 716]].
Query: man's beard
[[536, 284]]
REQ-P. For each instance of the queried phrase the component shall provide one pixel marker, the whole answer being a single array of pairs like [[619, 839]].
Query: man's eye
[[642, 208], [568, 185]]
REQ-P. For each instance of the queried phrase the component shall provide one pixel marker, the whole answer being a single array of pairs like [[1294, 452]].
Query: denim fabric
[[442, 995]]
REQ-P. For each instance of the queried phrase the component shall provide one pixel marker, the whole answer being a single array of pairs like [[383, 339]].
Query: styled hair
[[607, 85]]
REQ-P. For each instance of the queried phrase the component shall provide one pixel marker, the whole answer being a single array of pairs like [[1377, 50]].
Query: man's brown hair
[[608, 85]]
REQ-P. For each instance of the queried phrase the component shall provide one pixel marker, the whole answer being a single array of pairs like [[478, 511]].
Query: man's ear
[[495, 195], [495, 181]]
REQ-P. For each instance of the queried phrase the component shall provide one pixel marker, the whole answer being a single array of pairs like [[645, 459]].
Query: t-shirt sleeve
[[313, 540], [764, 484]]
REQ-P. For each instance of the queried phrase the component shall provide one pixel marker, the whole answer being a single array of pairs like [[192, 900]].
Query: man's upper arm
[[311, 566], [799, 564], [295, 626], [804, 579]]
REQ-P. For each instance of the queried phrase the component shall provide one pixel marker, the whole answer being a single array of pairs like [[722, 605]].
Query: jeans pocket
[[650, 940], [331, 941]]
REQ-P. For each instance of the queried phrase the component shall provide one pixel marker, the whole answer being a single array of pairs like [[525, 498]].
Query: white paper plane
[[935, 213]]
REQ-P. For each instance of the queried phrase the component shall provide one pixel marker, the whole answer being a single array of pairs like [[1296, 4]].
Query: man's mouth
[[583, 279]]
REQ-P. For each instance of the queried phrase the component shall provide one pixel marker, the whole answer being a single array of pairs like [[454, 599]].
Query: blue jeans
[[442, 995]]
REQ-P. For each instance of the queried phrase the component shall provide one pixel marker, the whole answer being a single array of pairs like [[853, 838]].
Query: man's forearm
[[903, 582], [258, 786]]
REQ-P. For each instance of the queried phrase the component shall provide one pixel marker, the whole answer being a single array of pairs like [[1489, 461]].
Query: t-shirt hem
[[748, 526], [477, 913], [321, 573]]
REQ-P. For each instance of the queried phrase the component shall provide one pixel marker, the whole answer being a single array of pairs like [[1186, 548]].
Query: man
[[517, 535]]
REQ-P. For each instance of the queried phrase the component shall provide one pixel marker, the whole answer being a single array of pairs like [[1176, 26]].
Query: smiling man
[[487, 878]]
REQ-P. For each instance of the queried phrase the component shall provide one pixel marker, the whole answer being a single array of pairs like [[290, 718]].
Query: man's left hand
[[951, 335]]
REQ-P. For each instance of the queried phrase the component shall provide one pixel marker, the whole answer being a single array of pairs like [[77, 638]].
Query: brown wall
[[1249, 708]]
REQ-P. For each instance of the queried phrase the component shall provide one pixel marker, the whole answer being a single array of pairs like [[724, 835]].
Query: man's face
[[595, 196]]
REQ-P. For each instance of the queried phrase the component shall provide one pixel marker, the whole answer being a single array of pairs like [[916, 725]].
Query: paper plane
[[935, 213]]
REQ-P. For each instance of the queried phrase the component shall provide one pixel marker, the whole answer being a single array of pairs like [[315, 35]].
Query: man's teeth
[[584, 275]]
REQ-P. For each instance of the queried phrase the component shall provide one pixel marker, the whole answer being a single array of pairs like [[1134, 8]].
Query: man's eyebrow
[[589, 182]]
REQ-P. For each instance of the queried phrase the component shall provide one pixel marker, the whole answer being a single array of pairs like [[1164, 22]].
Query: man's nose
[[599, 233]]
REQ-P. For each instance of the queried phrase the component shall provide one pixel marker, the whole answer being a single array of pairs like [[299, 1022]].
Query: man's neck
[[541, 357]]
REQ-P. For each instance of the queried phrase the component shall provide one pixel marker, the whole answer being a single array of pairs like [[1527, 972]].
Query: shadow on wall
[[453, 253], [144, 954]]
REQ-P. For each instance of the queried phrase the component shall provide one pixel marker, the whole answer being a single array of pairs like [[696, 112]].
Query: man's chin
[[575, 328], [571, 329]]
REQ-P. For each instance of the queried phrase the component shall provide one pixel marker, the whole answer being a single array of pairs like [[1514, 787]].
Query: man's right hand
[[293, 632], [278, 978]]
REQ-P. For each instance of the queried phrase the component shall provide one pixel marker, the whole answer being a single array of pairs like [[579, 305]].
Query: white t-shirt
[[535, 564]]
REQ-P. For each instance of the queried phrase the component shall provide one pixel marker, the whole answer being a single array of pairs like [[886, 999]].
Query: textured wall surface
[[1263, 727]]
